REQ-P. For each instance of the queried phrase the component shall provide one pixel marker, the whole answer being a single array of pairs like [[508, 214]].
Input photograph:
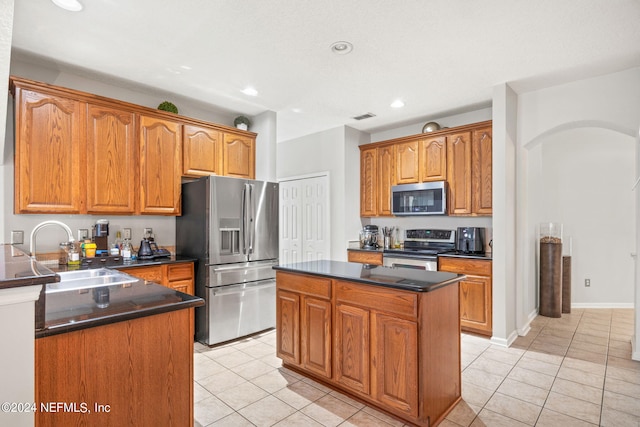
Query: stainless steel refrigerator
[[231, 226]]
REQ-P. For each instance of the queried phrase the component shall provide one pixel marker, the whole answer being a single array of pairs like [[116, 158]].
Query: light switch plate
[[126, 233], [83, 234], [17, 237]]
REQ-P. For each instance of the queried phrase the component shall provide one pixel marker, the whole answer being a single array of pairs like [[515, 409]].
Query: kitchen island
[[388, 337], [112, 349]]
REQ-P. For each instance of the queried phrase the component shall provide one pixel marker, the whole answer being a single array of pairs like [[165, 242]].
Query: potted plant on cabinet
[[242, 122]]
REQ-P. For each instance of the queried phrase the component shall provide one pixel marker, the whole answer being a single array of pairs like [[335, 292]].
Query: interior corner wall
[[318, 153], [6, 36], [505, 285], [266, 145]]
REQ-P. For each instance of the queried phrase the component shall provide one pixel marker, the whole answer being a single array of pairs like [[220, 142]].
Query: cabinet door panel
[[433, 159], [459, 172], [50, 153], [160, 165], [111, 160], [150, 274], [288, 327], [475, 303], [238, 157], [201, 151], [407, 160], [368, 182], [316, 336], [385, 179], [395, 363], [482, 171], [351, 348]]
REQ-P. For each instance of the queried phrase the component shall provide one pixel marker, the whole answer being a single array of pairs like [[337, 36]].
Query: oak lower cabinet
[[396, 350], [476, 301], [178, 276], [365, 257], [128, 373], [303, 322]]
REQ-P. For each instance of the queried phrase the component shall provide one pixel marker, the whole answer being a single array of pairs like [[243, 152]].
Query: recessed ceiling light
[[397, 104], [341, 48], [296, 110], [250, 91], [70, 5]]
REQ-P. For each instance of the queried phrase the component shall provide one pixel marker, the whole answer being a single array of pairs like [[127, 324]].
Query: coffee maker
[[369, 237], [101, 237], [470, 240]]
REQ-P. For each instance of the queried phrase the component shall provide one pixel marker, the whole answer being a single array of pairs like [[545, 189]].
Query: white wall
[[265, 126], [590, 122], [332, 151]]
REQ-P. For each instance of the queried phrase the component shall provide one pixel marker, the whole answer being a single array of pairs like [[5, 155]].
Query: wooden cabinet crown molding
[[98, 99]]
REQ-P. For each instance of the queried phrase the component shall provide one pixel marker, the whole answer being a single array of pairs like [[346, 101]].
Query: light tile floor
[[572, 371]]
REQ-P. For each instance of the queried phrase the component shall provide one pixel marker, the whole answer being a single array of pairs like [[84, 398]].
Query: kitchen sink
[[86, 279]]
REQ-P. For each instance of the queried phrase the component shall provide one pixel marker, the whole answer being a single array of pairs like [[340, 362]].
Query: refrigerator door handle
[[245, 226], [252, 222]]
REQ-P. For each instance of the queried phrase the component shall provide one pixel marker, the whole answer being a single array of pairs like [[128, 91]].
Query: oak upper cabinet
[[476, 301], [238, 156], [111, 160], [202, 151], [433, 159], [160, 165], [49, 151], [368, 182], [469, 158], [407, 160], [481, 169], [459, 173], [385, 179]]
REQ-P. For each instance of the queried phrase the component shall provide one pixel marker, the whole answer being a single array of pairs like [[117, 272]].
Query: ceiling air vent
[[364, 116]]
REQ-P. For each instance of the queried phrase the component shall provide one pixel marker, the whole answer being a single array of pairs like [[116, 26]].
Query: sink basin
[[86, 279]]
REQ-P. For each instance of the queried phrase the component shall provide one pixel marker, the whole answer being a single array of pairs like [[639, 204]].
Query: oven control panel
[[430, 234]]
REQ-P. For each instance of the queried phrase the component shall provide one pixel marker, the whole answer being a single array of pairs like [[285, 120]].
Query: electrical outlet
[[17, 237], [587, 282], [127, 233], [83, 234], [148, 232]]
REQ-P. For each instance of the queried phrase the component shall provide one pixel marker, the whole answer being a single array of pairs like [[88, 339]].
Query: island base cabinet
[[396, 350], [129, 373]]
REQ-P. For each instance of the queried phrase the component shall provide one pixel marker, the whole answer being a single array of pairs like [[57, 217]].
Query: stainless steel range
[[421, 249]]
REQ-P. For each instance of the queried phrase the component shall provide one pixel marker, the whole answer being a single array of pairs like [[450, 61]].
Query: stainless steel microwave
[[426, 198]]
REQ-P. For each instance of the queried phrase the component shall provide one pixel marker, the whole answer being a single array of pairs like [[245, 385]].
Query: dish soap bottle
[[73, 255], [127, 251]]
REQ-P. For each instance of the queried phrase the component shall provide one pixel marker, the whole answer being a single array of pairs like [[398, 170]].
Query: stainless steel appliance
[[421, 249], [426, 198], [369, 237], [231, 226], [470, 240], [101, 237]]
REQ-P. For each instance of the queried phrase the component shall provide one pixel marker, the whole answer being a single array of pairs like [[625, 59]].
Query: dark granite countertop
[[485, 256], [19, 269], [379, 250], [118, 264], [399, 278], [74, 310]]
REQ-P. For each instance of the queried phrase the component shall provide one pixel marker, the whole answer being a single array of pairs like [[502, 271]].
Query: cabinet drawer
[[308, 285], [374, 258], [377, 298], [184, 286], [181, 271], [478, 267]]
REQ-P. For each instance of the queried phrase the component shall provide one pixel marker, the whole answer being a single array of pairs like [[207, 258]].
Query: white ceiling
[[438, 56]]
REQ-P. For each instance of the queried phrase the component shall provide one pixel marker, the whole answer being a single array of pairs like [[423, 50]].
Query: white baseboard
[[505, 342], [602, 305], [524, 329], [635, 352]]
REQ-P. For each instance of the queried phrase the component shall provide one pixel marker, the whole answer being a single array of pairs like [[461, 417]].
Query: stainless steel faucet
[[32, 239]]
